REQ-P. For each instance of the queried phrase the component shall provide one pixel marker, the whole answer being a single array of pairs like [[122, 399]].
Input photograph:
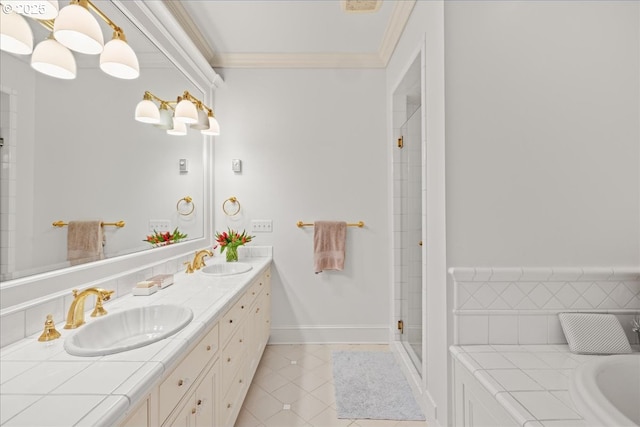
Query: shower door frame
[[416, 375]]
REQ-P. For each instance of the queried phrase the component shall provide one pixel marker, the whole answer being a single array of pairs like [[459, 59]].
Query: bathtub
[[606, 390]]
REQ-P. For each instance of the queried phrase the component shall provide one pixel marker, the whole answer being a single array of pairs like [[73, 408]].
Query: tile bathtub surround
[[520, 305], [17, 323], [41, 381], [530, 381]]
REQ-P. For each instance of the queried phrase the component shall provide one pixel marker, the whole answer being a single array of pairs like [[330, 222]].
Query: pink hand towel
[[85, 241], [329, 240]]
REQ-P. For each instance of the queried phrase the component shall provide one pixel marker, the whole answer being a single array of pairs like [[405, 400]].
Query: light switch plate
[[261, 226], [236, 165], [159, 225]]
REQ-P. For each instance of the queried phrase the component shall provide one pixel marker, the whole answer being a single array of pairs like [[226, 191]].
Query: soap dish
[[162, 280], [145, 288]]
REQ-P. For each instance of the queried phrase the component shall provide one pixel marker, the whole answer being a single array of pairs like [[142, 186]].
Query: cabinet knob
[[253, 293], [242, 307], [199, 402], [193, 410], [230, 320], [208, 348], [228, 359], [240, 340], [228, 405], [180, 383], [257, 309], [240, 381]]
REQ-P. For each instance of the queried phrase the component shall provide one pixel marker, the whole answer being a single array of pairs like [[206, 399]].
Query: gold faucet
[[198, 259], [75, 318]]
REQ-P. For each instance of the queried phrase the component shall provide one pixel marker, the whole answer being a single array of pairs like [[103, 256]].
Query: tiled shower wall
[[8, 119], [521, 305]]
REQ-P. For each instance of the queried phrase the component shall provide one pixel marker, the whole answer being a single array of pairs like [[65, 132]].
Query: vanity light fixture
[[179, 128], [16, 35], [187, 109], [51, 58], [76, 28], [73, 27]]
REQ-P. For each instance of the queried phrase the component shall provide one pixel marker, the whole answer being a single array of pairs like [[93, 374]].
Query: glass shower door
[[411, 288]]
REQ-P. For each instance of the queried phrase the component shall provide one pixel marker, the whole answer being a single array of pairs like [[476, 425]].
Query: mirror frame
[[160, 26]]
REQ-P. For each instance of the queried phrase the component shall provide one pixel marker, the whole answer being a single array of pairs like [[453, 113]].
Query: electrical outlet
[[261, 226], [159, 225]]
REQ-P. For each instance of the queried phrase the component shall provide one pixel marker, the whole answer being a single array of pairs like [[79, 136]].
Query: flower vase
[[232, 253]]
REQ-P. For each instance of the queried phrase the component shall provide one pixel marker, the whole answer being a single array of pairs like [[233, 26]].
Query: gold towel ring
[[233, 200], [187, 200]]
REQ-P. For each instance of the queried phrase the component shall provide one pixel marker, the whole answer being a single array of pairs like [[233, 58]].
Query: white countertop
[[42, 385], [530, 381]]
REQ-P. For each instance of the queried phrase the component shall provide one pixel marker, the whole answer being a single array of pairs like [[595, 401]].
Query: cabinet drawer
[[232, 319], [233, 357], [232, 401], [176, 385]]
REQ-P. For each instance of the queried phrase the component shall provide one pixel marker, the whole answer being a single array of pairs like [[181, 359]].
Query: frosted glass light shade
[[203, 121], [76, 28], [214, 127], [34, 9], [166, 119], [186, 112], [119, 60], [179, 128], [15, 34], [51, 58], [147, 112]]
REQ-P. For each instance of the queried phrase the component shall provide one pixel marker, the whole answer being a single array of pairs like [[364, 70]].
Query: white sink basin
[[226, 269], [128, 329]]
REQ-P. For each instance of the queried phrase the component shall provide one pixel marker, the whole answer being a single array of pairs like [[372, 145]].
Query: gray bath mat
[[370, 385]]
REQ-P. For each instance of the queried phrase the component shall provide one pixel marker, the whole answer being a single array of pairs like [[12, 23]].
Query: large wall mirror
[[73, 151]]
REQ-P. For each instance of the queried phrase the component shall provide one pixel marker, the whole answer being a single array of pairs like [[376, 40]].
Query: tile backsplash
[[22, 321], [520, 305]]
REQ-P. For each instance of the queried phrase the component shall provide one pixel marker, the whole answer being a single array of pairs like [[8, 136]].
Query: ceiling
[[293, 33]]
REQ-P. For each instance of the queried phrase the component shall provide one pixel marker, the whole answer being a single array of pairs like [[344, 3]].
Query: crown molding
[[397, 22], [180, 14], [297, 60]]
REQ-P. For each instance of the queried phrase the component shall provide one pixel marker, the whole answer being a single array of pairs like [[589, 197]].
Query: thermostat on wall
[[184, 166], [236, 165]]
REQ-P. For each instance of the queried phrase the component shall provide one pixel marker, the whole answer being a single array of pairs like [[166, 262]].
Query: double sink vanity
[[185, 355]]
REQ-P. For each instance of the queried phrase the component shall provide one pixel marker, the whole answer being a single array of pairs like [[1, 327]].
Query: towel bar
[[304, 224], [118, 224]]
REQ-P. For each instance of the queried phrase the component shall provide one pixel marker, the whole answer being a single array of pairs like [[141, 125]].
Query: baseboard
[[329, 334]]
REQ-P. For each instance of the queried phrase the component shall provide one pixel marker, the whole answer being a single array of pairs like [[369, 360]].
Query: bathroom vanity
[[199, 376]]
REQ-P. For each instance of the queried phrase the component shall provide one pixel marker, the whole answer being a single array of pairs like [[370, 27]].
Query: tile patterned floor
[[293, 387]]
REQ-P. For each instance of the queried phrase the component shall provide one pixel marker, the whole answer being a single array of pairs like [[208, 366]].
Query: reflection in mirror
[[73, 152]]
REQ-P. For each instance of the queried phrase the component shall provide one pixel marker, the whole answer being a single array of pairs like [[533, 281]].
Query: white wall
[[543, 131], [542, 140], [313, 147]]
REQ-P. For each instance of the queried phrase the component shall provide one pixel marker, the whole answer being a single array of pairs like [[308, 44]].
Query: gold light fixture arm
[[105, 18]]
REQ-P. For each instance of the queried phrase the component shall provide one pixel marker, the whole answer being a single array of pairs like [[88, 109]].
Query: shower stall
[[410, 242]]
